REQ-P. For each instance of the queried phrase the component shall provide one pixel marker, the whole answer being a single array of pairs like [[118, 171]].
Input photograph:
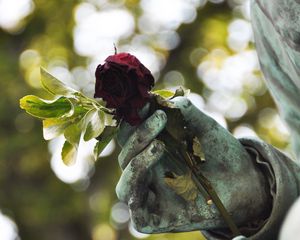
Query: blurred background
[[206, 46]]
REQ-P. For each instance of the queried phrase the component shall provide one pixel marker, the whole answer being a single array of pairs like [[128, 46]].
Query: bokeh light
[[239, 34], [98, 30], [120, 215], [81, 169], [8, 228], [244, 131], [167, 14], [104, 232], [12, 12]]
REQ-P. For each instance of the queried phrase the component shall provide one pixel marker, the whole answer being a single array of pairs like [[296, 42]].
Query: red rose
[[123, 82]]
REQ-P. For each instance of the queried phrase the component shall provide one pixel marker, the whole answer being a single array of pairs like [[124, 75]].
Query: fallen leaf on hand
[[183, 185]]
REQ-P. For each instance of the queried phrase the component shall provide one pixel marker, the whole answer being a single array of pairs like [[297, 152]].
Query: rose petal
[[137, 102], [143, 90], [124, 84], [129, 115]]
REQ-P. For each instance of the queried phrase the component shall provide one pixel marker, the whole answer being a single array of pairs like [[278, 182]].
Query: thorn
[[115, 48]]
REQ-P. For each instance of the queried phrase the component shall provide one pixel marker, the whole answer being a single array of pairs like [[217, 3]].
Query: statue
[[256, 183]]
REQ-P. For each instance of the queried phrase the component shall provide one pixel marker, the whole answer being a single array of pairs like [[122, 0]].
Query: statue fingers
[[142, 136], [131, 187], [195, 118]]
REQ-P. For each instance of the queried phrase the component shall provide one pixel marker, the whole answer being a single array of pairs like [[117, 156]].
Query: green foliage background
[[42, 206]]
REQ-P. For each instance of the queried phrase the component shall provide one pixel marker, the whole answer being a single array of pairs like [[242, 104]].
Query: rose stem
[[199, 186], [170, 142]]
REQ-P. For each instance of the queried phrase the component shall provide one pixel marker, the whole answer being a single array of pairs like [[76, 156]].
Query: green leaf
[[109, 132], [95, 124], [110, 121], [41, 108], [53, 127], [164, 93], [69, 153], [73, 133], [183, 185], [53, 85], [167, 94], [104, 139]]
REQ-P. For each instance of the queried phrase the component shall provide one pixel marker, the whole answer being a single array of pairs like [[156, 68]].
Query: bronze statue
[[256, 183]]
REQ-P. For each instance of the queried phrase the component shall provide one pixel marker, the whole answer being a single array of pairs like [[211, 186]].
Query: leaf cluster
[[72, 114]]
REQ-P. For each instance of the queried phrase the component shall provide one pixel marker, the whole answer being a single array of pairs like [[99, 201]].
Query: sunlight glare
[[9, 230], [97, 31], [13, 11]]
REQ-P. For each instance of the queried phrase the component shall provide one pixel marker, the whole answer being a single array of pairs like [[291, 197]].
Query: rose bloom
[[123, 82]]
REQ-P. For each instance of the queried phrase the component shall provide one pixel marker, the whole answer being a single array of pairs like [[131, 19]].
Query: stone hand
[[156, 207]]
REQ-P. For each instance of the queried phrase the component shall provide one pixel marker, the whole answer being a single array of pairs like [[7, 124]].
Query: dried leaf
[[183, 185], [197, 149], [181, 92], [164, 102]]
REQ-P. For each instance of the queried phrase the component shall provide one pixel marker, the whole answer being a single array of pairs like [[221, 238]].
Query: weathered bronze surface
[[256, 183]]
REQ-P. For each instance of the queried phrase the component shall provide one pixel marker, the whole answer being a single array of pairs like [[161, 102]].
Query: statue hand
[[157, 207]]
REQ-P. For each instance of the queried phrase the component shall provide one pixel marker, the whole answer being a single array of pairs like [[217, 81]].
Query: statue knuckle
[[153, 124], [120, 192], [161, 115]]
